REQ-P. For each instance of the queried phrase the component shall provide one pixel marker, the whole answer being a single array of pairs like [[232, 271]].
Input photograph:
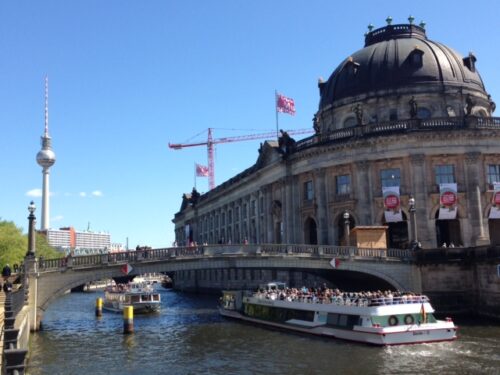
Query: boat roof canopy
[[273, 285]]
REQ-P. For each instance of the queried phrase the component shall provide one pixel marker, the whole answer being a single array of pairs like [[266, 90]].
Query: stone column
[[419, 192], [321, 206], [237, 215], [475, 214], [268, 219], [287, 209], [362, 191]]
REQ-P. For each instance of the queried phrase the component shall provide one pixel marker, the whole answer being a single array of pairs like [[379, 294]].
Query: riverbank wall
[[462, 280]]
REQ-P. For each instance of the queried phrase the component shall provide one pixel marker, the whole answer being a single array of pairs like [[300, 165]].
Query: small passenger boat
[[403, 318], [149, 278], [140, 295]]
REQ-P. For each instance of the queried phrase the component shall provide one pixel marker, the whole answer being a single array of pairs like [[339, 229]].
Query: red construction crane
[[211, 142]]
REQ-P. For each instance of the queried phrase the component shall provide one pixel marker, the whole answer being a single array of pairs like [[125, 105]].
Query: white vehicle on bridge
[[402, 318], [140, 295]]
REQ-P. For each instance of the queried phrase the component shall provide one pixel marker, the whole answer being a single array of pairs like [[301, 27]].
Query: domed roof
[[398, 56]]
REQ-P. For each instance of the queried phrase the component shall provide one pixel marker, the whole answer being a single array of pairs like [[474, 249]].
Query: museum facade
[[404, 138]]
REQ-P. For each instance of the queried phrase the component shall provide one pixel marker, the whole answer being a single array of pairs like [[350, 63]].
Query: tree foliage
[[14, 245]]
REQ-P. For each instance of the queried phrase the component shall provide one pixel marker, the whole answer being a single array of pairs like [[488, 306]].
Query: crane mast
[[211, 142]]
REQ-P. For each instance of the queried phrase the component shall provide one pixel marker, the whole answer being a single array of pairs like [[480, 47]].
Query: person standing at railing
[[6, 272]]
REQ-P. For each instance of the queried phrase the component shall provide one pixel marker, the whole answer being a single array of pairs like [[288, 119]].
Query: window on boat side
[[277, 314], [342, 320]]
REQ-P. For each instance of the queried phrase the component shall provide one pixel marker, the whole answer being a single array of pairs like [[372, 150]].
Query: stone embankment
[[462, 280]]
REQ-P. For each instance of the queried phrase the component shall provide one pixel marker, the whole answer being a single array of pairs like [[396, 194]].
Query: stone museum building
[[405, 139]]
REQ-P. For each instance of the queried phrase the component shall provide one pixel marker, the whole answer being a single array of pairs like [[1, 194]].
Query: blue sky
[[128, 77]]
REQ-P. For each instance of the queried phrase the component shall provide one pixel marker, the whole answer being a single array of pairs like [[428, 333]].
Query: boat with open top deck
[[140, 295], [372, 318]]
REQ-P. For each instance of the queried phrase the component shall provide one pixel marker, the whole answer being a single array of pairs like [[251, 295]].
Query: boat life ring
[[409, 319], [393, 320]]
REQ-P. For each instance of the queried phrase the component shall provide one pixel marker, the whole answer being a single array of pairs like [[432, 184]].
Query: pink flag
[[201, 170], [126, 269], [285, 105]]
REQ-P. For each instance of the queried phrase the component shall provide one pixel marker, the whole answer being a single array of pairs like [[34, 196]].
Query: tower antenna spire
[[46, 106], [46, 159]]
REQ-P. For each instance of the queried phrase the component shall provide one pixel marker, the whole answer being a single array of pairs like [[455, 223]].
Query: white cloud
[[58, 218], [82, 194], [35, 193], [97, 193], [67, 194]]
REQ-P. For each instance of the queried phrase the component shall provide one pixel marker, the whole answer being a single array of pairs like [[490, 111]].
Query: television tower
[[46, 159]]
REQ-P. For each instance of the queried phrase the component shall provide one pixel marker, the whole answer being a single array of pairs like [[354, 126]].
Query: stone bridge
[[223, 266]]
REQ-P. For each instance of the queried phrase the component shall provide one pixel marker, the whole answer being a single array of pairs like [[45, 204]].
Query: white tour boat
[[404, 319], [149, 278], [140, 295]]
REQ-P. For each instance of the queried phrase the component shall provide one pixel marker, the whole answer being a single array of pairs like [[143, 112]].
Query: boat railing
[[349, 300]]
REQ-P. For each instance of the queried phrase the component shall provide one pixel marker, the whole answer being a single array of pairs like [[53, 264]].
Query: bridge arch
[[238, 262]]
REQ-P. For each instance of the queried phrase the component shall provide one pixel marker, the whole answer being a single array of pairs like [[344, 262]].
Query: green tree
[[14, 245], [43, 248]]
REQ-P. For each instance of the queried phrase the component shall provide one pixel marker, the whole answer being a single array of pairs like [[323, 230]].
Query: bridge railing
[[201, 251]]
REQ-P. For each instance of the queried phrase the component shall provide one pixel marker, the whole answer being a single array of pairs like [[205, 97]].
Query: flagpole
[[276, 109]]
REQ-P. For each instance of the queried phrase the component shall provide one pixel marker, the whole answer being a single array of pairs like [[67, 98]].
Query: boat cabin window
[[343, 320]]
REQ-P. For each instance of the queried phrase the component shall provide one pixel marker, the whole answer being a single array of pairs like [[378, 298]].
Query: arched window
[[350, 122], [481, 113], [416, 58], [423, 113], [448, 232], [494, 227], [397, 233], [310, 232]]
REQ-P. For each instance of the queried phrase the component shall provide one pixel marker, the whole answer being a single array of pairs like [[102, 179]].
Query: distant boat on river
[[140, 295]]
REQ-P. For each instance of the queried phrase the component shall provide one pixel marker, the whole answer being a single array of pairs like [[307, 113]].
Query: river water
[[189, 337]]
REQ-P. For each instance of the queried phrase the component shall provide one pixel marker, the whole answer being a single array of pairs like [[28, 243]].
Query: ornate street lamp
[[414, 240], [31, 230], [346, 228]]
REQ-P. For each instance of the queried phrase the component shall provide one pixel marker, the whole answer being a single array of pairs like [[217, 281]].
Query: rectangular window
[[237, 215], [252, 208], [393, 115], [444, 173], [390, 177], [493, 173], [230, 217], [343, 184], [308, 191]]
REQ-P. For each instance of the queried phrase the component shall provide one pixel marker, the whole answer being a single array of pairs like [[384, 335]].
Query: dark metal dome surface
[[395, 57]]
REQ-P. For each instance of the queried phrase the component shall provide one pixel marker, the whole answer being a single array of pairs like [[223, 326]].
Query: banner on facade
[[392, 204], [448, 199], [495, 202]]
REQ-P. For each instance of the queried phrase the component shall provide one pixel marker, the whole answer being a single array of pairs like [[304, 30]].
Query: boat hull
[[139, 308], [405, 334]]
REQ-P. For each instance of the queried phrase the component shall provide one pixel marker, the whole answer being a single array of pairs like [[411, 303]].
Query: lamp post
[[414, 240], [31, 230], [346, 228]]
